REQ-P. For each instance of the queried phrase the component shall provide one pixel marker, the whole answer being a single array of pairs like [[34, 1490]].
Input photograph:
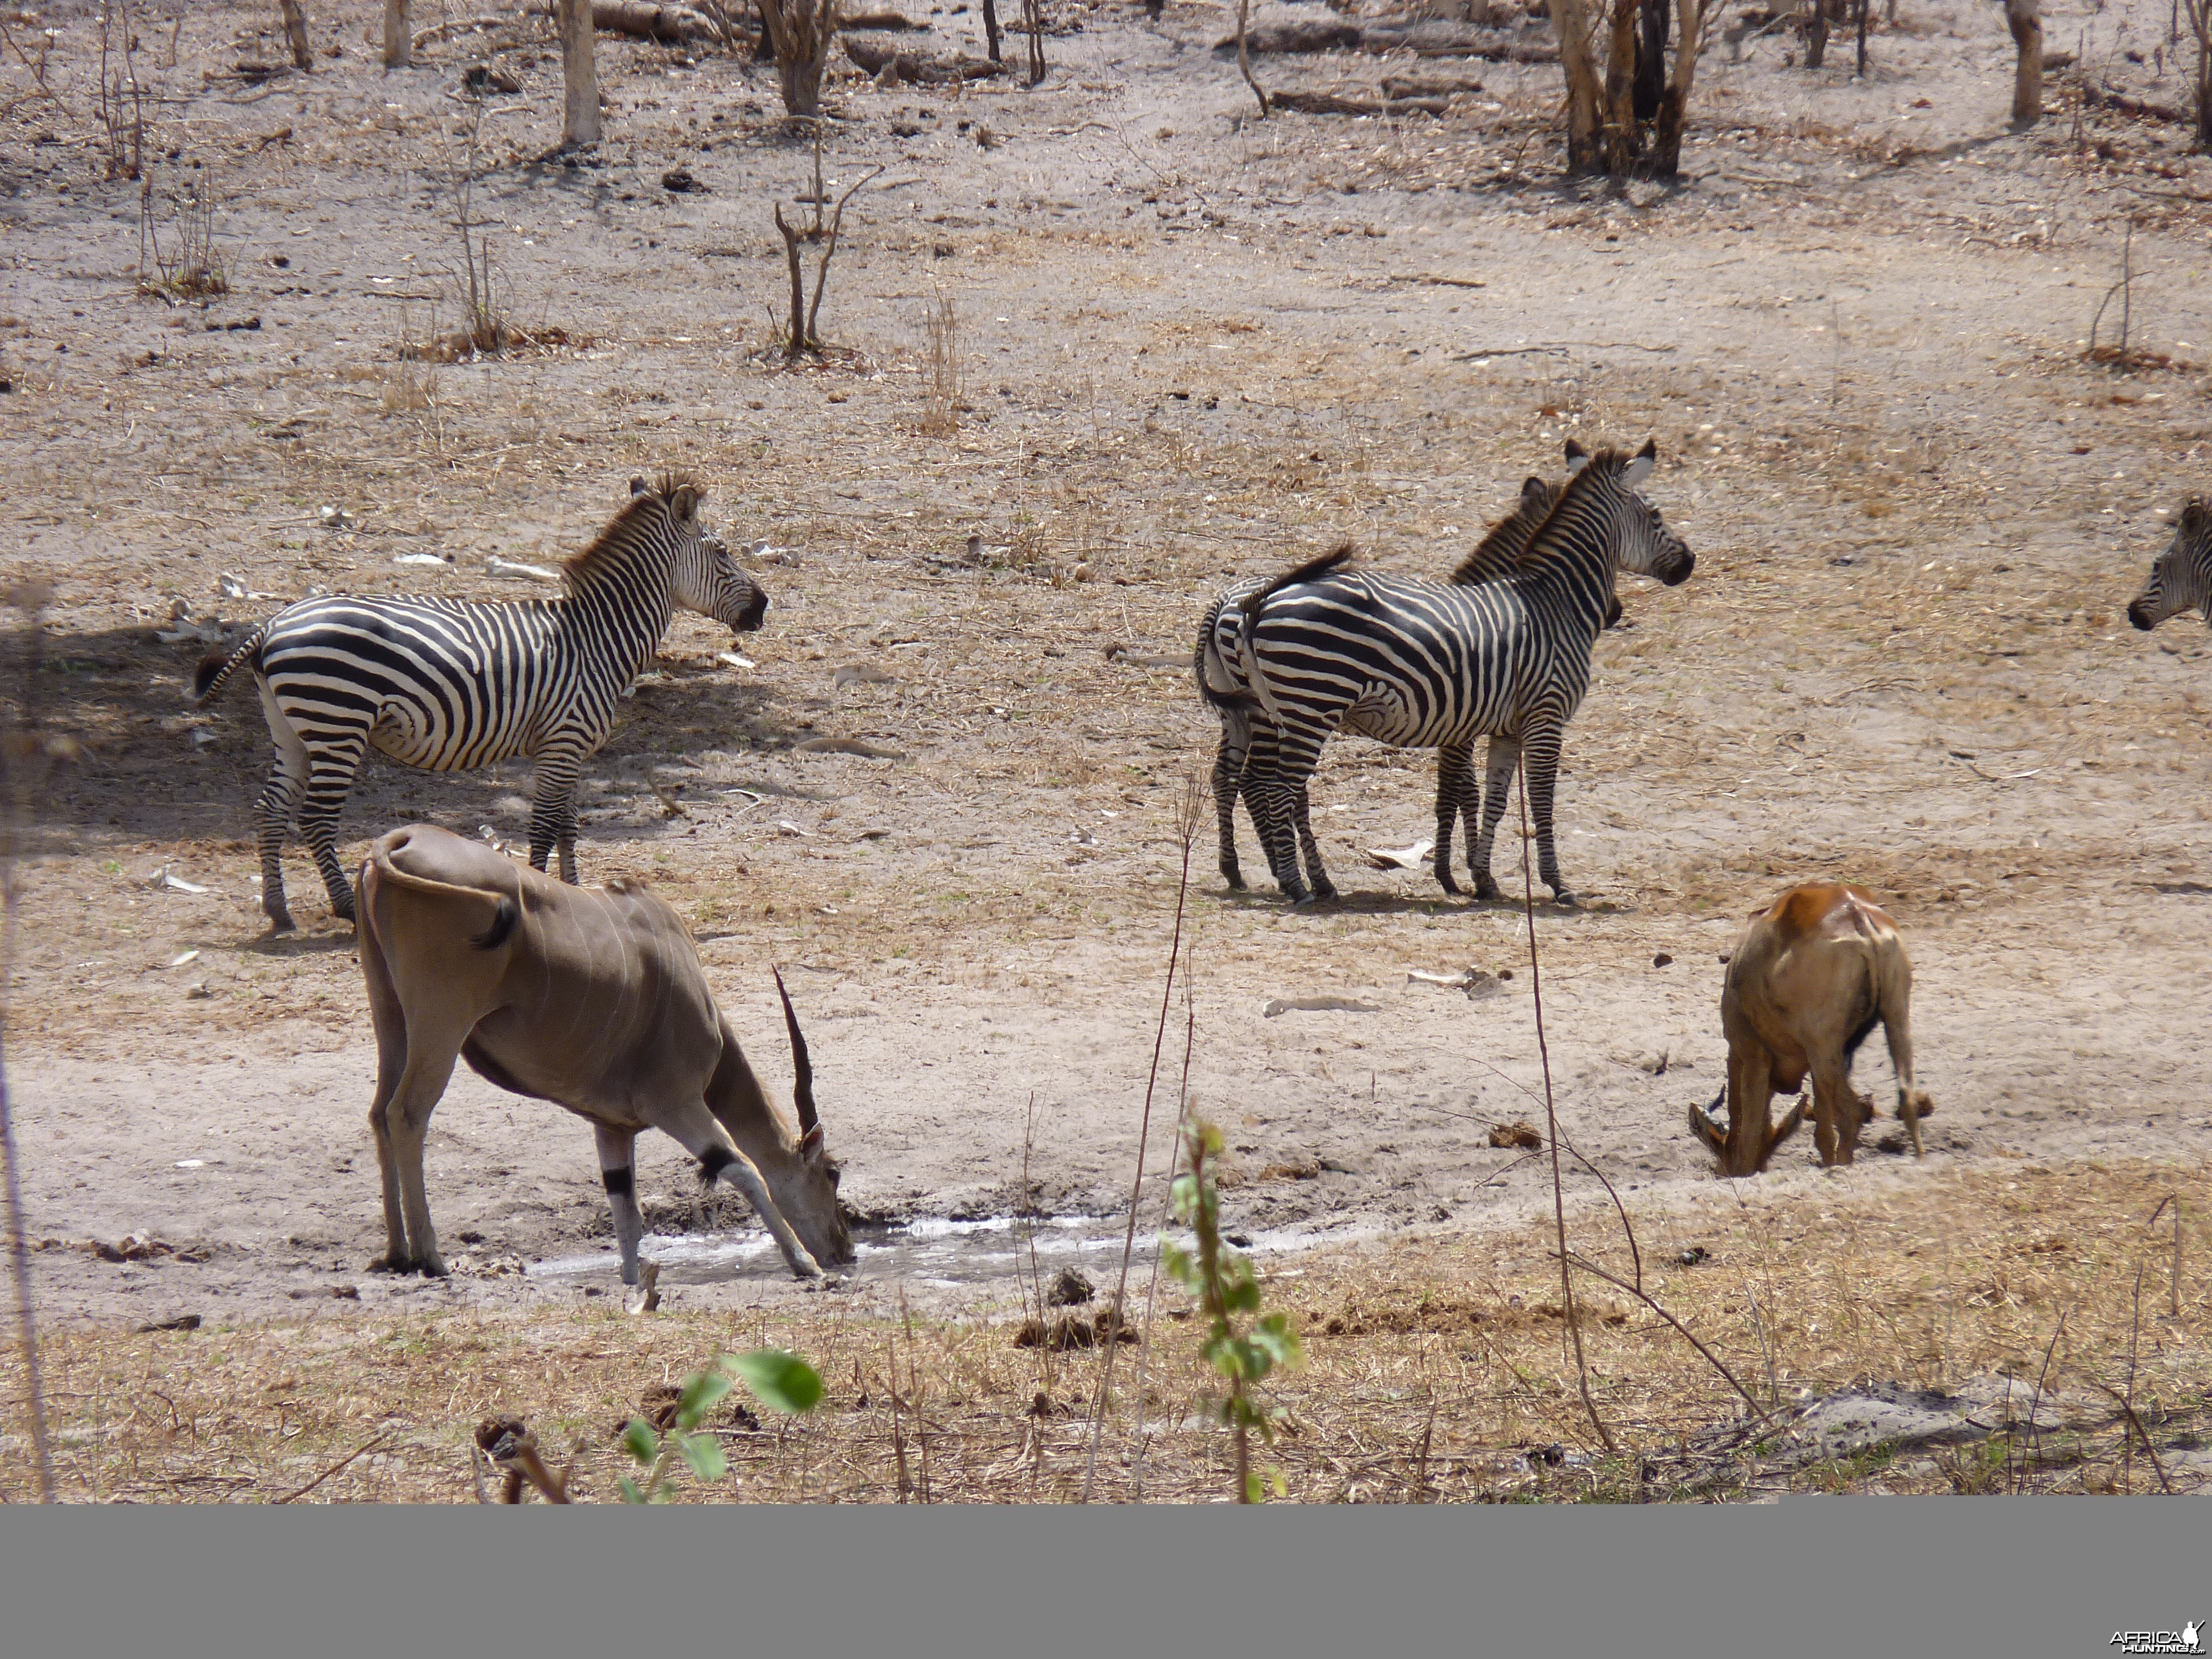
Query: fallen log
[[1328, 103], [642, 20], [1422, 40], [926, 68], [1428, 86]]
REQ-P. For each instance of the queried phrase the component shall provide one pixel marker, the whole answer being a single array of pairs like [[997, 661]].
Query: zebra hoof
[[1445, 881], [1565, 900], [1486, 890], [1234, 877], [281, 922]]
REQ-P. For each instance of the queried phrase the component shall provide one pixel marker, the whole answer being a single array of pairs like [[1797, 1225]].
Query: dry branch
[[1328, 103], [930, 68]]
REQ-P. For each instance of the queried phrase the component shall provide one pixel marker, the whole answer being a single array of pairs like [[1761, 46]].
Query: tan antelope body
[[1813, 974], [593, 997]]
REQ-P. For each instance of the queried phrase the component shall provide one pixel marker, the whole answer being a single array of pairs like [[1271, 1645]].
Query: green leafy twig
[[781, 1380], [1223, 1280]]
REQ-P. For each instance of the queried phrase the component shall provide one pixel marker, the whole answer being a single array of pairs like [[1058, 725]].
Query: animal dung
[[1662, 960], [1401, 858], [1073, 1331], [1522, 1135], [1692, 1256], [1317, 1006], [1070, 1289], [336, 517]]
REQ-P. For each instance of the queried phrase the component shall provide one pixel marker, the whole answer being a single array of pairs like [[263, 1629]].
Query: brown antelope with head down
[[593, 997], [1813, 973]]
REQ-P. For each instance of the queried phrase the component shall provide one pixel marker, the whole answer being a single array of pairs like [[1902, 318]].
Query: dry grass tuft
[[1436, 1371]]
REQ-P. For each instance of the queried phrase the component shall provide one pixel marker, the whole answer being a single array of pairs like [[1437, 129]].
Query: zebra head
[[703, 577], [1643, 545], [2181, 577]]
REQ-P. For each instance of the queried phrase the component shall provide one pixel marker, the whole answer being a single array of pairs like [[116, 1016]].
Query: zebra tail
[[217, 668], [1251, 605], [1223, 696]]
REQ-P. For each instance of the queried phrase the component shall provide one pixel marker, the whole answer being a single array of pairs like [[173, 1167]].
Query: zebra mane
[[626, 532], [1505, 547], [1609, 463]]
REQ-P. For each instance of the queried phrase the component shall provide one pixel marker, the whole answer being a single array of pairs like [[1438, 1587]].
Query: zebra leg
[[272, 812], [1455, 777], [1542, 748], [1269, 795], [1324, 890], [1228, 765], [1504, 760], [1290, 824], [553, 810], [329, 778]]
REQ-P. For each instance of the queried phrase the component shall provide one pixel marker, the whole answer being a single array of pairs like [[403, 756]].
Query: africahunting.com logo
[[2190, 1639]]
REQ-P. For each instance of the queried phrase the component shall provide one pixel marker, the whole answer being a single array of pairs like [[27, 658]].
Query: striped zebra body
[[450, 685], [2181, 577], [1246, 755], [1431, 663]]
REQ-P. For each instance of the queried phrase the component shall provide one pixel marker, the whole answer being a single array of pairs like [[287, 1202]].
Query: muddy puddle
[[932, 1252]]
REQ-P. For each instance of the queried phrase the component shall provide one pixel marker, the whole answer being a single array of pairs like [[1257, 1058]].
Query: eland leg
[[618, 1172]]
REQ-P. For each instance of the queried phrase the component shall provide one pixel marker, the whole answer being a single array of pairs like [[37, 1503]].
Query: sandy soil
[[1192, 346]]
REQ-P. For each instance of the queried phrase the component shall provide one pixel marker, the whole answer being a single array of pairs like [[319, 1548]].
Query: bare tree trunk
[[2021, 16], [991, 28], [1652, 31], [1862, 30], [1570, 23], [1674, 102], [295, 33], [803, 32], [398, 38], [1621, 137], [1244, 57], [2200, 24], [1816, 36], [580, 108]]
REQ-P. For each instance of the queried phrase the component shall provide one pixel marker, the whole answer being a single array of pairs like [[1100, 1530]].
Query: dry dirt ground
[[1189, 345]]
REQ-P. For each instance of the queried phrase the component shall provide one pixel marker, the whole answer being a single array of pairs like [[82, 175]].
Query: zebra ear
[[1535, 494], [684, 503], [1577, 457], [1640, 468], [638, 486]]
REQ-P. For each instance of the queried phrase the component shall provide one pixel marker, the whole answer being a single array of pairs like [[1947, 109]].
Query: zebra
[[1246, 755], [451, 684], [1416, 663], [2181, 577]]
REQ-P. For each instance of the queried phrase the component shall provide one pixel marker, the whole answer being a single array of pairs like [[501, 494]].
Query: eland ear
[[809, 1144], [1640, 468], [638, 487]]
